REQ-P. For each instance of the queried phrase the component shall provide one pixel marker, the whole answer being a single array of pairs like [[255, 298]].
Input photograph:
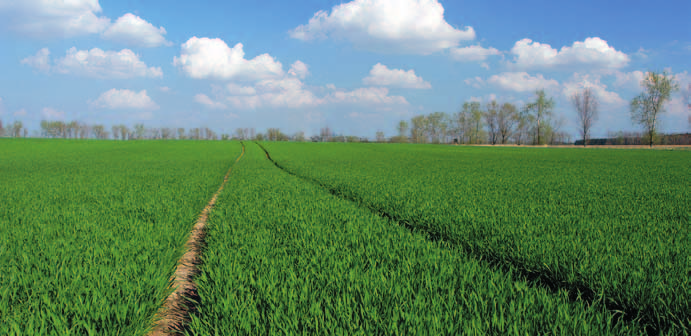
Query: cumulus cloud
[[21, 113], [371, 96], [115, 99], [51, 113], [164, 89], [473, 53], [515, 81], [132, 30], [50, 18], [628, 80], [40, 61], [286, 92], [593, 53], [580, 81], [238, 90], [208, 102], [299, 70], [105, 64], [212, 58], [291, 92], [95, 63], [402, 26], [380, 75]]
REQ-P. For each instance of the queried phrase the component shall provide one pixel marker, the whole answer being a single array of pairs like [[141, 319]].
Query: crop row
[[91, 230], [610, 226], [284, 256]]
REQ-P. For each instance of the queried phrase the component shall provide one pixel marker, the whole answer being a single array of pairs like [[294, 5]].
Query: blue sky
[[357, 66]]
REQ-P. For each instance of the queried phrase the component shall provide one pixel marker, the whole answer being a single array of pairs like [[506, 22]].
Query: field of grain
[[317, 238]]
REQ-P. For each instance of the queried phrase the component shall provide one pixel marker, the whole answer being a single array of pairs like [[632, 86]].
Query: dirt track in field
[[175, 311]]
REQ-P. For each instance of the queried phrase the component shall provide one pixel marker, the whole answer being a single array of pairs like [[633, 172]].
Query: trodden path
[[175, 311]]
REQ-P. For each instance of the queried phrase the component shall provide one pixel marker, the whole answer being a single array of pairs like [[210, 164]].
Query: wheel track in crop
[[174, 313], [576, 291]]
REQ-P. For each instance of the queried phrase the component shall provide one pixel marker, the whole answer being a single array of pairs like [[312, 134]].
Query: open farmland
[[92, 230], [355, 239], [285, 257], [609, 226]]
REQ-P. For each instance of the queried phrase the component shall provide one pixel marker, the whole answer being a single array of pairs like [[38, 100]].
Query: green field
[[346, 238], [91, 230], [608, 225]]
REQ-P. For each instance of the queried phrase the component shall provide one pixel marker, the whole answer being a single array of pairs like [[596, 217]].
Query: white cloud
[[290, 92], [208, 102], [164, 89], [105, 64], [380, 75], [370, 96], [115, 99], [473, 53], [519, 82], [287, 92], [593, 53], [40, 61], [212, 58], [51, 18], [403, 26], [580, 81], [132, 30], [475, 82], [51, 113], [20, 113], [629, 80], [485, 65], [95, 63], [299, 70], [237, 90]]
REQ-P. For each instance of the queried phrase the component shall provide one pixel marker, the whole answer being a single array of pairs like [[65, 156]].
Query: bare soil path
[[175, 311]]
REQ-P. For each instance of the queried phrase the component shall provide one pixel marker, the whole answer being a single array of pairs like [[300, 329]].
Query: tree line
[[535, 122], [475, 123], [491, 123]]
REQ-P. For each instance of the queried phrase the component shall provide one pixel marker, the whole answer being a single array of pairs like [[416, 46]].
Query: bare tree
[[506, 120], [17, 129], [687, 101], [475, 122], [299, 136], [647, 107], [436, 126], [380, 136], [542, 108], [586, 104], [98, 131], [181, 133], [275, 134], [418, 129], [72, 129], [402, 132], [84, 131], [2, 130], [124, 132], [325, 134], [461, 124], [491, 115], [241, 134]]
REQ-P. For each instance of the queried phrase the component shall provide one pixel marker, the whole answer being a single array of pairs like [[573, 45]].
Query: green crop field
[[91, 230], [285, 257], [345, 239], [609, 226]]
